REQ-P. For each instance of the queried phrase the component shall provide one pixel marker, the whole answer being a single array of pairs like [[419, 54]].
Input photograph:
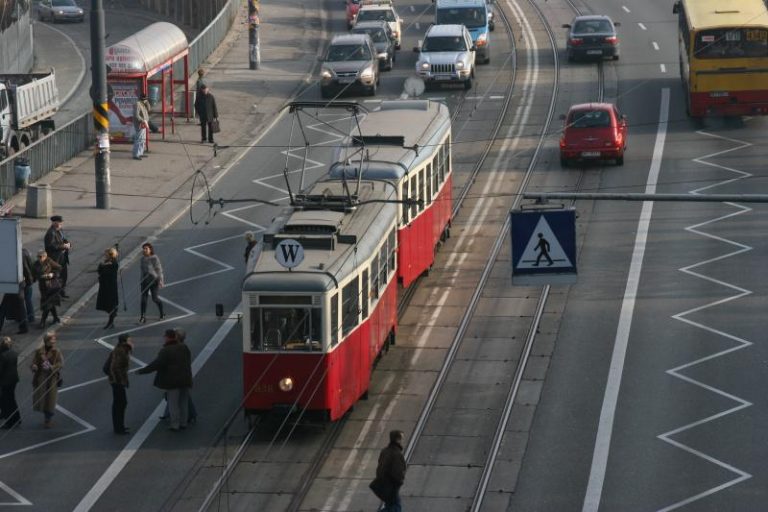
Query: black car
[[383, 41], [592, 37]]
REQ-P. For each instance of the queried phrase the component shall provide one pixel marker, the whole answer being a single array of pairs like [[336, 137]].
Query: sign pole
[[100, 105], [254, 50]]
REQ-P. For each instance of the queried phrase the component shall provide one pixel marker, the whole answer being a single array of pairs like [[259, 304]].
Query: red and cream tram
[[312, 332], [408, 143]]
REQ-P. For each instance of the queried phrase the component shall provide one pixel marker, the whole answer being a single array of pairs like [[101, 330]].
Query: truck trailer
[[27, 105]]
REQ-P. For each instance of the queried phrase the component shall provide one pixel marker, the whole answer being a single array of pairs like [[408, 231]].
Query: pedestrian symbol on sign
[[543, 246], [289, 253]]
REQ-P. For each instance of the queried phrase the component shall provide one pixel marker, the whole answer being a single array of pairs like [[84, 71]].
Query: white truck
[[27, 105]]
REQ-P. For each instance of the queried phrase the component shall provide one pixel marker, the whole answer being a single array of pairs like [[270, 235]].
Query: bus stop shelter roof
[[147, 51]]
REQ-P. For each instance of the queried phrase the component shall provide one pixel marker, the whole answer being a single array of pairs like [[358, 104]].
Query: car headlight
[[367, 72], [326, 73], [79, 11], [59, 12], [460, 64], [382, 55], [424, 66]]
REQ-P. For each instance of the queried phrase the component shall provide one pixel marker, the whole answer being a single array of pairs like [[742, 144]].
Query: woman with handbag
[[151, 280], [46, 367], [107, 299], [47, 272]]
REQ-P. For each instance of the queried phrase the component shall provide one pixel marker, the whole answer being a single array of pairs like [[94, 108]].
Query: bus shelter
[[143, 63]]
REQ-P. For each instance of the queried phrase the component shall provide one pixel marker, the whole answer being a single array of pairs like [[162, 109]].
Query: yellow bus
[[723, 56]]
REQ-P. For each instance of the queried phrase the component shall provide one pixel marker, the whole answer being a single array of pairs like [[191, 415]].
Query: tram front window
[[291, 329]]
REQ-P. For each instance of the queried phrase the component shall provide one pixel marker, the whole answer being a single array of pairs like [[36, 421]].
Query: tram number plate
[[594, 52], [590, 154]]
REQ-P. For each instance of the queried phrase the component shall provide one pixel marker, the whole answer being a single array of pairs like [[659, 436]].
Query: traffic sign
[[289, 253], [543, 245]]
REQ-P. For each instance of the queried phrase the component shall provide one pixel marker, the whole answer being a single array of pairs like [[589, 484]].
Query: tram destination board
[[543, 246]]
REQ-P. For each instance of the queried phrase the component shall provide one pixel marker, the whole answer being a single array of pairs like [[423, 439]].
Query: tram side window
[[375, 278], [350, 306], [392, 242], [334, 319], [421, 185], [429, 184], [447, 155], [364, 296], [383, 266], [438, 179], [414, 196], [256, 337], [406, 214]]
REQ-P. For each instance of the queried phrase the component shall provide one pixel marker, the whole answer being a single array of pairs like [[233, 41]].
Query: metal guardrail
[[78, 135]]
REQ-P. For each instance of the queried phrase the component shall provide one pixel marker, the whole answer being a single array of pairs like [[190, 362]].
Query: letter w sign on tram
[[543, 246], [289, 253]]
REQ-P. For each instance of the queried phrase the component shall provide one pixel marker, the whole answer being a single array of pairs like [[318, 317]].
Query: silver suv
[[351, 62], [446, 55]]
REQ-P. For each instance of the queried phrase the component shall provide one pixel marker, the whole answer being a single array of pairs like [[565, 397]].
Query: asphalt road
[[686, 433]]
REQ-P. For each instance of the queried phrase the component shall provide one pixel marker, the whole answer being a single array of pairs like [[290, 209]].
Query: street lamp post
[[100, 106]]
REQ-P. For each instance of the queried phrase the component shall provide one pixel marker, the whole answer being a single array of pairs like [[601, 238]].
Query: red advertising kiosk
[[142, 62]]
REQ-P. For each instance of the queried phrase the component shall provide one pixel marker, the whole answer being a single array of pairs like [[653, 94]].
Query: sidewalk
[[148, 195]]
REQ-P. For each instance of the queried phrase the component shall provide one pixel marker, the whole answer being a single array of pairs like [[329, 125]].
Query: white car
[[447, 55], [383, 11]]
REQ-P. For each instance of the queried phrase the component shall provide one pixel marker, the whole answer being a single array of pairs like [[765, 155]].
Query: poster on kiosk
[[123, 98], [11, 271]]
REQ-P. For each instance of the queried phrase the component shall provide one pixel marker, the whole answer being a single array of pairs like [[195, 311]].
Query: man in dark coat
[[173, 365], [57, 247], [9, 377], [119, 362], [391, 471], [205, 105]]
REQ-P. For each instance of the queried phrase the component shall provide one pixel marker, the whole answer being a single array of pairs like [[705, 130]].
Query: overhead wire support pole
[[693, 198], [100, 106]]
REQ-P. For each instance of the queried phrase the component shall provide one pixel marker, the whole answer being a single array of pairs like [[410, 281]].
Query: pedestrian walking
[[46, 367], [47, 272], [205, 106], [9, 377], [140, 125], [151, 280], [390, 473], [543, 248], [107, 299], [173, 367], [119, 362], [57, 246], [29, 281], [250, 240]]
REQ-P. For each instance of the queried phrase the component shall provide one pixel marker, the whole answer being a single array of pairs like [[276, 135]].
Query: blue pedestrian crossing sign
[[543, 246]]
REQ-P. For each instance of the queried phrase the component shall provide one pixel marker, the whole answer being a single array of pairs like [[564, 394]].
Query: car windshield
[[63, 3], [444, 44], [377, 33], [342, 52], [470, 17], [592, 27], [590, 119], [375, 15]]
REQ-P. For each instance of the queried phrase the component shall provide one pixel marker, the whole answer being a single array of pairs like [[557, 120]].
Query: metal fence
[[68, 141]]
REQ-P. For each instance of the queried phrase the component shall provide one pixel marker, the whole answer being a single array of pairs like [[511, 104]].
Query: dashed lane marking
[[663, 68], [655, 45], [626, 9], [643, 27]]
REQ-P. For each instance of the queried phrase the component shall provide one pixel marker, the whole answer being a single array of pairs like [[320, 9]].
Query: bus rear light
[[576, 41], [612, 40]]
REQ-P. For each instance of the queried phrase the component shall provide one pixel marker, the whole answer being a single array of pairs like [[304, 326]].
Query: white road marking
[[79, 80], [642, 26], [655, 45], [740, 248], [608, 411], [413, 8], [663, 68], [417, 25], [625, 8], [125, 456], [372, 101]]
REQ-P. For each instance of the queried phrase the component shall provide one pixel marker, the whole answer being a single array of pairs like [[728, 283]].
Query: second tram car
[[409, 144]]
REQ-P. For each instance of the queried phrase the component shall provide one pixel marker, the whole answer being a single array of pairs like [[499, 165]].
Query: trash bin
[[154, 94], [39, 201], [22, 172]]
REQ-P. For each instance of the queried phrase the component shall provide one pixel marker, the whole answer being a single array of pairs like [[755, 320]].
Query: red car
[[352, 7], [593, 131]]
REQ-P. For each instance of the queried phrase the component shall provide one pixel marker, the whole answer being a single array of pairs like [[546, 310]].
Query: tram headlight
[[285, 384]]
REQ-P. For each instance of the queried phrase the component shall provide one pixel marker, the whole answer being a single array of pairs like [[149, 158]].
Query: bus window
[[730, 44]]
